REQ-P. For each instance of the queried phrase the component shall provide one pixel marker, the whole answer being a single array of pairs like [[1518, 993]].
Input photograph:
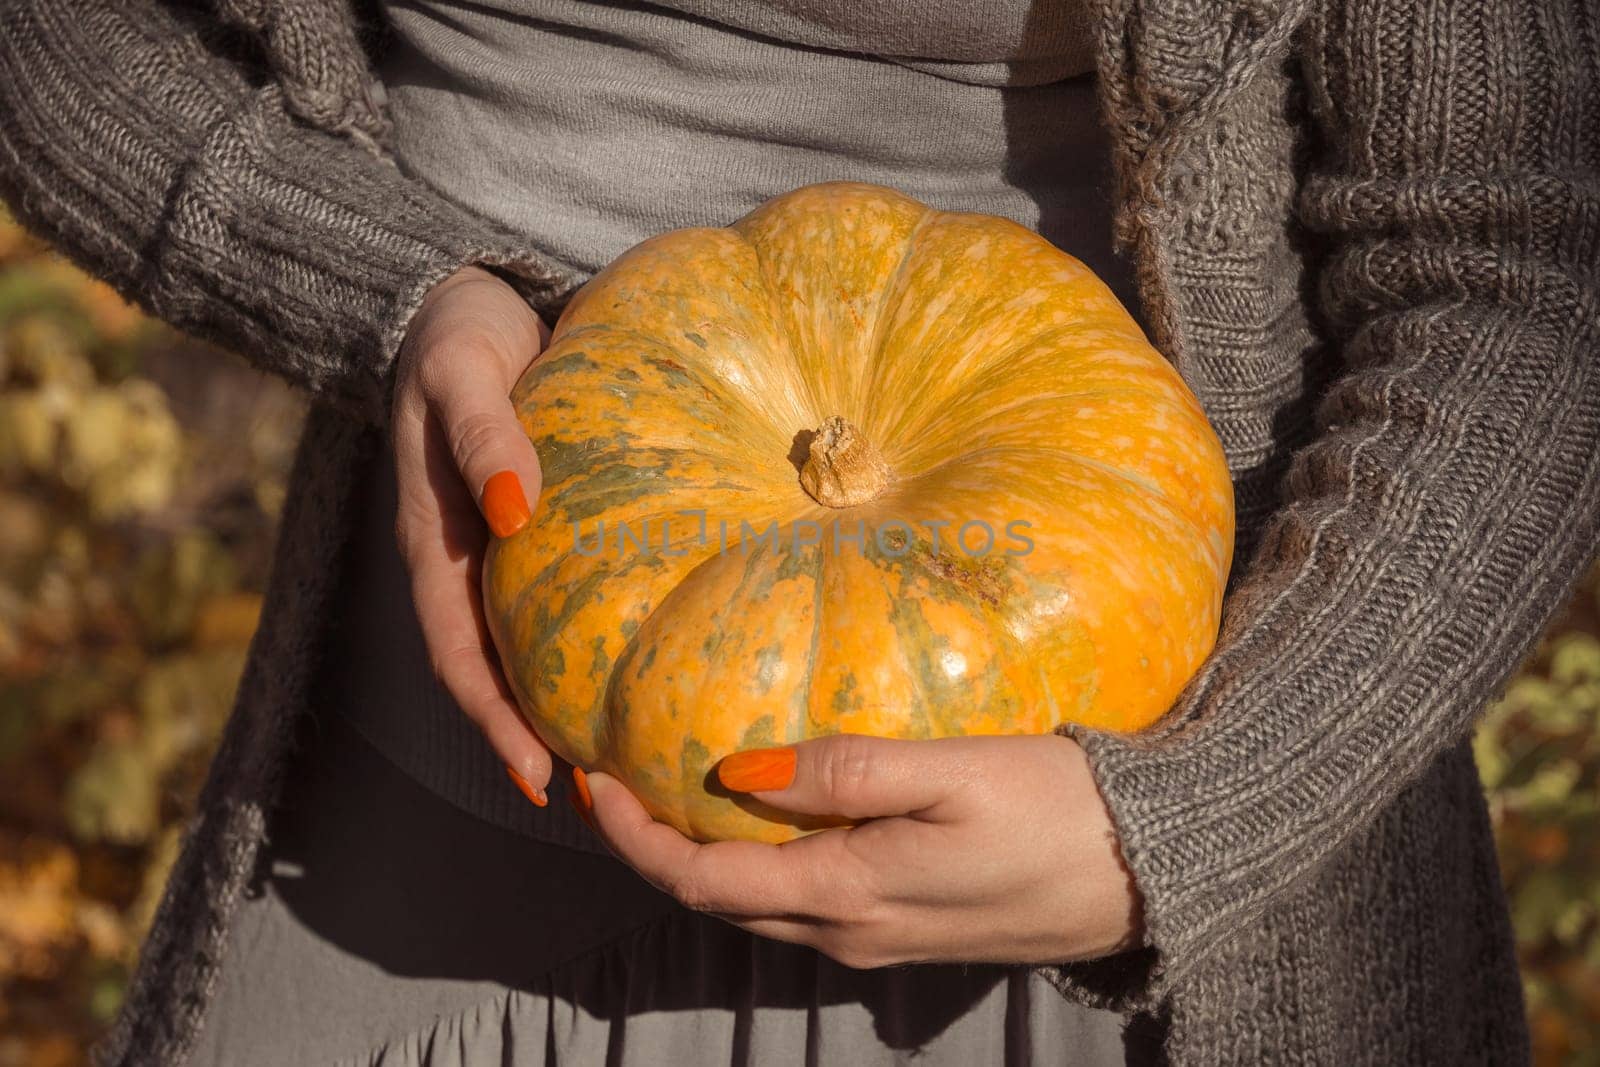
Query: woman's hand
[[458, 447], [978, 849]]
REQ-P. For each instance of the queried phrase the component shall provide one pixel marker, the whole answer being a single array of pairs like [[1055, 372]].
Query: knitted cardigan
[[1367, 232]]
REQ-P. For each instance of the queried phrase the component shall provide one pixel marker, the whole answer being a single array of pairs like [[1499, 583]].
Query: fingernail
[[757, 769], [505, 505], [582, 800], [580, 782], [529, 790]]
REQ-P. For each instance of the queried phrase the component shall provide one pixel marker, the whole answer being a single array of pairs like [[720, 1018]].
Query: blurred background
[[141, 473]]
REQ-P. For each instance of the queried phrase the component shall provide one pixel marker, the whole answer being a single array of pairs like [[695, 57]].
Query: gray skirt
[[413, 908]]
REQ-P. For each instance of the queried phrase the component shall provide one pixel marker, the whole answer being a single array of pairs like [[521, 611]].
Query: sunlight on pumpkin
[[927, 478]]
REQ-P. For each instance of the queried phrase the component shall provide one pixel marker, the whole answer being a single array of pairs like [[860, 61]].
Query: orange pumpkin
[[850, 465]]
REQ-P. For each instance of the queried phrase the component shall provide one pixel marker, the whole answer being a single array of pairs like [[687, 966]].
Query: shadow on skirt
[[387, 926]]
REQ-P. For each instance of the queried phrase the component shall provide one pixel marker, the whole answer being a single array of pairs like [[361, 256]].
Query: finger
[[469, 395], [853, 775], [728, 878], [438, 524], [444, 589]]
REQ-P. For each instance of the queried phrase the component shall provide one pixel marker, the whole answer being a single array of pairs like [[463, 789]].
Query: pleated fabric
[[681, 992]]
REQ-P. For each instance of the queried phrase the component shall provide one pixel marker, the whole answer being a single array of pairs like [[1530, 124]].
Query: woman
[[1365, 233]]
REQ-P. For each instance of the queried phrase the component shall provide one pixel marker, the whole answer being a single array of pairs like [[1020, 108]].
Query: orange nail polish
[[504, 504], [529, 790], [757, 769], [581, 782]]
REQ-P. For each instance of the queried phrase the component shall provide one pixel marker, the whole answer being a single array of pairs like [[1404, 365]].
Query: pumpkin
[[855, 465]]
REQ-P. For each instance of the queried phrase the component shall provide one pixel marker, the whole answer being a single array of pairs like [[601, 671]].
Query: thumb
[[851, 775], [494, 455], [470, 400]]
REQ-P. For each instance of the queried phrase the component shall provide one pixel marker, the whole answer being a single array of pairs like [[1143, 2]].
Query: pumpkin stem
[[844, 468]]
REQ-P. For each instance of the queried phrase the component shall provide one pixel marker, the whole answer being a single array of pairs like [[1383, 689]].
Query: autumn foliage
[[139, 476]]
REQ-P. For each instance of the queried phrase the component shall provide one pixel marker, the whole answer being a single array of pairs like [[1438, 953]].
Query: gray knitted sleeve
[[151, 146], [1451, 496]]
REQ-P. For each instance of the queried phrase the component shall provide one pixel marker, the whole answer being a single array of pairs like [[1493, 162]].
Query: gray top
[[592, 126], [1364, 233]]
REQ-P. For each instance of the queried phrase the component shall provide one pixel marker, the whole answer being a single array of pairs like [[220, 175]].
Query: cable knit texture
[[1368, 234]]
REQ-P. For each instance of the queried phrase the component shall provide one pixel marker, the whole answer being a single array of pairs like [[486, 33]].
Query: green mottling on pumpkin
[[802, 710], [602, 662], [628, 374], [695, 761], [696, 339], [552, 665], [845, 698], [755, 582], [645, 662], [675, 373], [794, 562], [979, 581], [533, 596], [560, 458], [565, 363], [610, 485], [924, 649], [769, 661], [759, 734], [549, 626]]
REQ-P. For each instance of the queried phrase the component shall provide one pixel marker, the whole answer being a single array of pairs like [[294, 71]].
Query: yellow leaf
[[38, 898]]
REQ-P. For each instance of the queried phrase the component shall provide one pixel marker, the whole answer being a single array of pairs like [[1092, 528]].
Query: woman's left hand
[[977, 849]]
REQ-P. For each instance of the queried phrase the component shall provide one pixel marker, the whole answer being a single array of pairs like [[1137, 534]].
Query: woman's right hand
[[457, 449]]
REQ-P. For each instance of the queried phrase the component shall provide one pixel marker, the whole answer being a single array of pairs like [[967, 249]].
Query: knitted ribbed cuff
[[1136, 980], [332, 251]]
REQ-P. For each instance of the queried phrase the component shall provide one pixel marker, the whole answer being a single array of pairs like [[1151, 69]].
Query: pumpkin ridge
[[912, 631], [1000, 375], [613, 713], [780, 316], [712, 384], [539, 584], [889, 301], [758, 569], [891, 287], [987, 290], [1145, 489], [927, 441]]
